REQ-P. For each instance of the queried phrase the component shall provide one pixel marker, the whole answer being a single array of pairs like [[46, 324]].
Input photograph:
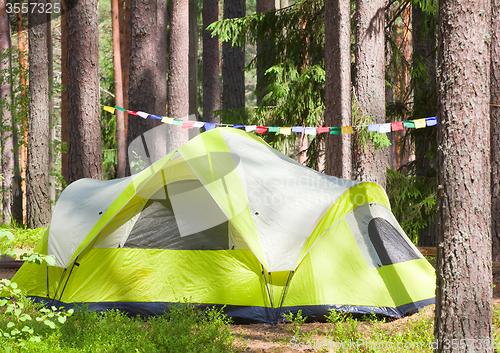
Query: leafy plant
[[296, 321], [20, 324]]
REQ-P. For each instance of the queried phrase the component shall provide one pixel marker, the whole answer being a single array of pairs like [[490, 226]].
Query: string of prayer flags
[[143, 115], [420, 123], [385, 128], [110, 109], [346, 130], [187, 124], [335, 130], [285, 130], [432, 121], [397, 126], [310, 131], [209, 126]]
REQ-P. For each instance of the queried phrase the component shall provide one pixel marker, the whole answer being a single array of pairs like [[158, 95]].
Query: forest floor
[[277, 338]]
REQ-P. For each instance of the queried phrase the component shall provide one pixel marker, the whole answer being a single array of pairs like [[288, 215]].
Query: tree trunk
[[124, 13], [50, 73], [178, 76], [464, 284], [84, 147], [233, 62], [148, 67], [37, 171], [338, 87], [7, 118], [193, 57], [211, 92], [495, 128], [23, 112], [263, 46], [64, 92], [425, 103], [368, 164], [117, 67]]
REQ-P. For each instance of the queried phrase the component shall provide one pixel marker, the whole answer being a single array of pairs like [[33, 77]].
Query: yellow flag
[[420, 123], [109, 109], [167, 120], [346, 129], [285, 130]]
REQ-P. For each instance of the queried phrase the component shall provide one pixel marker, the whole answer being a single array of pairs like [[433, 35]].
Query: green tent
[[227, 220]]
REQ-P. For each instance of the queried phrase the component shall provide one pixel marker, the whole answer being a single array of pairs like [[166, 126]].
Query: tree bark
[[23, 112], [124, 12], [50, 73], [495, 127], [37, 171], [368, 164], [263, 46], [178, 76], [84, 146], [7, 118], [464, 284], [338, 87], [148, 67], [193, 57], [64, 93], [121, 145], [425, 103], [211, 91], [233, 62]]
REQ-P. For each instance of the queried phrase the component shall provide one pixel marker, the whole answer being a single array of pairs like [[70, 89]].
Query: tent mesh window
[[183, 216], [157, 228], [391, 247]]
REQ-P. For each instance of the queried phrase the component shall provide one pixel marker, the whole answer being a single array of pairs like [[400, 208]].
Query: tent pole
[[67, 279], [59, 286], [268, 293], [283, 295]]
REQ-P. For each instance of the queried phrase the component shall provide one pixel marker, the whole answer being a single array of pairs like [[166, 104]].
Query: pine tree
[[369, 82], [84, 133], [37, 171], [338, 86], [495, 127], [233, 62], [464, 284], [178, 75], [6, 114], [211, 91]]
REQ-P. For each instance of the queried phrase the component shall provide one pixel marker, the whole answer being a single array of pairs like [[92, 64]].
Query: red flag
[[397, 126], [261, 129], [322, 130]]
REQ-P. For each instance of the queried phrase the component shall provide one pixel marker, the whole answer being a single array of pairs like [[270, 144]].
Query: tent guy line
[[286, 130]]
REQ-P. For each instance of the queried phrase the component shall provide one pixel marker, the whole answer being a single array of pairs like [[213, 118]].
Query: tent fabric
[[226, 220]]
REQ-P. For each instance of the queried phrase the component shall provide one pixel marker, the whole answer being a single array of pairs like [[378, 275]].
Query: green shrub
[[24, 238], [187, 329]]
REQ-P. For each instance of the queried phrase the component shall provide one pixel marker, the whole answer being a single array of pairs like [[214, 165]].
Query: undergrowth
[[24, 238], [184, 329]]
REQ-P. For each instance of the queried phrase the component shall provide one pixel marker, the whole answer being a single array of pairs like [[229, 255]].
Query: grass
[[183, 329], [24, 238]]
